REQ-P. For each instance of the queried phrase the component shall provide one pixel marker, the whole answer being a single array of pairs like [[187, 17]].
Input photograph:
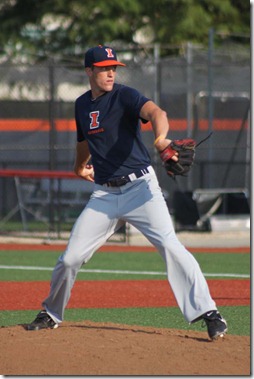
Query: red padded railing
[[38, 174]]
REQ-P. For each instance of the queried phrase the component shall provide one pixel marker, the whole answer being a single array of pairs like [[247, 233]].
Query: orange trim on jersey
[[69, 125]]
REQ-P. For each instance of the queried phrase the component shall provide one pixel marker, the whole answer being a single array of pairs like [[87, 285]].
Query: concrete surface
[[189, 239], [204, 239]]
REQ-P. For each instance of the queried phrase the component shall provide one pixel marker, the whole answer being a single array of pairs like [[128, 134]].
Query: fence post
[[157, 91], [210, 97], [52, 142], [189, 105]]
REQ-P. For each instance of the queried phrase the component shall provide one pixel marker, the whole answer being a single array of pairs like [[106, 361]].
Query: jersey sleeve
[[133, 100]]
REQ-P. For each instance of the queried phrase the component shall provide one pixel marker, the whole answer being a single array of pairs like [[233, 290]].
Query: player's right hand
[[86, 172]]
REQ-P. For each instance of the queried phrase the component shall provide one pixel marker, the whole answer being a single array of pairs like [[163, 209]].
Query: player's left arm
[[159, 121], [178, 155]]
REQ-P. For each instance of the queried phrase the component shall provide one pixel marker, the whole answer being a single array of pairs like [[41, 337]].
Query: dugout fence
[[48, 203]]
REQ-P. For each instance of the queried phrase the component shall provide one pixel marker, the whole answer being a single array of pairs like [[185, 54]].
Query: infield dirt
[[88, 348]]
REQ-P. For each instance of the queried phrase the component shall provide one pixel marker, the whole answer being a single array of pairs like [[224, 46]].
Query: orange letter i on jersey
[[94, 119]]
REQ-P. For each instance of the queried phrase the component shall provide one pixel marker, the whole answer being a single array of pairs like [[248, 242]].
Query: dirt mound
[[88, 348]]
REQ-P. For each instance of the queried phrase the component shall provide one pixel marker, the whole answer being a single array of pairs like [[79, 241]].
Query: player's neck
[[96, 94]]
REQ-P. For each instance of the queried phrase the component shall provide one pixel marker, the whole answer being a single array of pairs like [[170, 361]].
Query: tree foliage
[[67, 27]]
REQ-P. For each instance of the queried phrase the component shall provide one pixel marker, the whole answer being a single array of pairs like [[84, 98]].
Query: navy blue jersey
[[111, 126]]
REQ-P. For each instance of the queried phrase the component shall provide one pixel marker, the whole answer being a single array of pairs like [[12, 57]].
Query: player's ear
[[88, 71]]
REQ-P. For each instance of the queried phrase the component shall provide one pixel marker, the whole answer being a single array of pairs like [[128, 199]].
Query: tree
[[66, 28]]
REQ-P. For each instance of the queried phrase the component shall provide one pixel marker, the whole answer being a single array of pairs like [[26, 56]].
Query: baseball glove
[[186, 153]]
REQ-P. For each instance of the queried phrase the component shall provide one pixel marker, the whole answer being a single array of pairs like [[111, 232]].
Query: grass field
[[25, 266]]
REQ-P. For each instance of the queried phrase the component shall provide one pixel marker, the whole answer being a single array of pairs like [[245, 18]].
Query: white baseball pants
[[141, 204]]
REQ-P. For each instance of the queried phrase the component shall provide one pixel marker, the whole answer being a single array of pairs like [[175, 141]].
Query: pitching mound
[[88, 348]]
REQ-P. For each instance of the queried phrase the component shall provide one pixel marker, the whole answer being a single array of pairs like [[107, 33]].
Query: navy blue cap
[[101, 56]]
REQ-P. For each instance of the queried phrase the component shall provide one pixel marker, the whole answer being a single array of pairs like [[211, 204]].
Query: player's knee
[[70, 261]]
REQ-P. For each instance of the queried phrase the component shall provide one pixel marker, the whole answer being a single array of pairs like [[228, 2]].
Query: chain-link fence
[[200, 92]]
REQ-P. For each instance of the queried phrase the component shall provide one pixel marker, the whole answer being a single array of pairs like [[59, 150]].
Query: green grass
[[224, 263], [168, 317], [133, 261]]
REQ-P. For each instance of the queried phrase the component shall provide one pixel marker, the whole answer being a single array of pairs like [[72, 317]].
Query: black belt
[[122, 180]]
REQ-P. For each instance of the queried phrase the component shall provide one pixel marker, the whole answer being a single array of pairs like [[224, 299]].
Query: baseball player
[[110, 153]]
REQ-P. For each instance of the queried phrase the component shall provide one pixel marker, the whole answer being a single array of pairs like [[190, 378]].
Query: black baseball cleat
[[42, 321], [216, 324]]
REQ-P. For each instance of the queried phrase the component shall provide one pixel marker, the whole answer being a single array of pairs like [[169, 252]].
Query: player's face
[[102, 78]]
